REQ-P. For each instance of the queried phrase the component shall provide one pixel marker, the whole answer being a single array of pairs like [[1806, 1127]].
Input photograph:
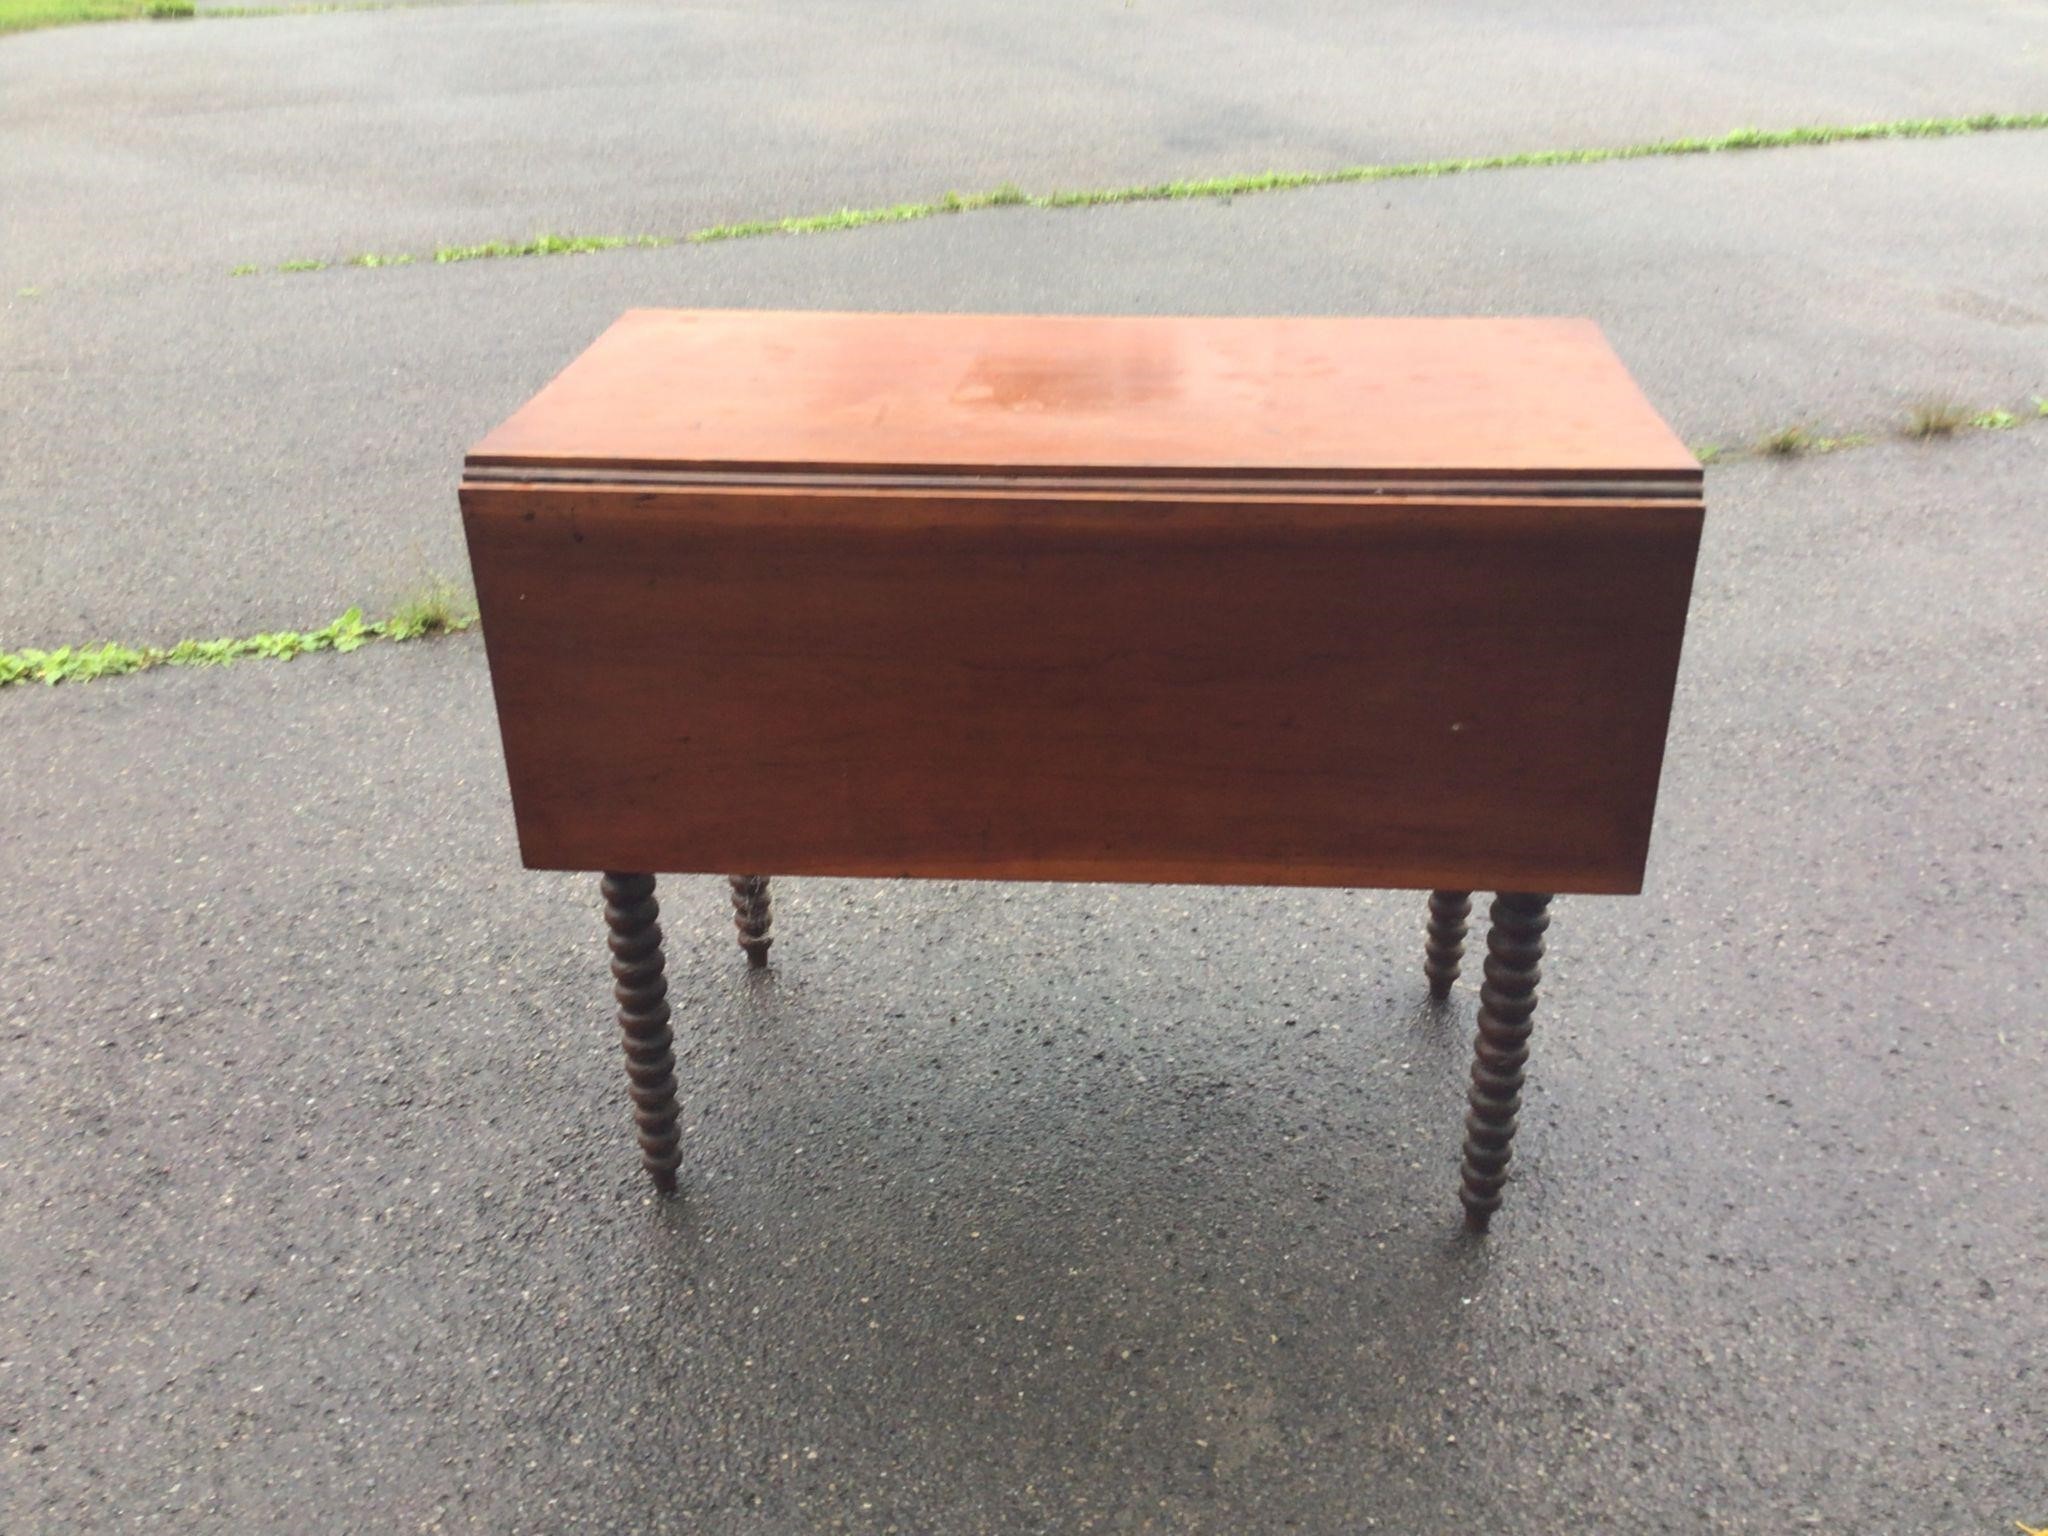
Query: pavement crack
[[1215, 187]]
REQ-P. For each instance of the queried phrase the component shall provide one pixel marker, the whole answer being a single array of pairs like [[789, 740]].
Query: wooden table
[[1318, 602]]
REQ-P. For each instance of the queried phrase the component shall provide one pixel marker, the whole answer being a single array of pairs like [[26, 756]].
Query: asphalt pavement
[[1007, 1208], [263, 140]]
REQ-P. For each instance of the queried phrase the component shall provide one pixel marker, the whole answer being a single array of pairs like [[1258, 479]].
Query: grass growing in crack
[[437, 607], [539, 245], [27, 15], [436, 610], [1936, 418], [1009, 195], [1795, 441]]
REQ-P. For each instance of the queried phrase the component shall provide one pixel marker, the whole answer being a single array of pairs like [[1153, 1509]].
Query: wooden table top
[[1298, 602], [895, 398]]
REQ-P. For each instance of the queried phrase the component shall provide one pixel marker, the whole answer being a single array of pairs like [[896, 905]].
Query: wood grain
[[1075, 396], [1382, 691]]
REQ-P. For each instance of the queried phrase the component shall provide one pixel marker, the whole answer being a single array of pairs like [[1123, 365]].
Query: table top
[[889, 398]]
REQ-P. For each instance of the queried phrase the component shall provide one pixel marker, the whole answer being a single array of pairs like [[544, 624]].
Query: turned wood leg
[[750, 916], [1445, 946], [1514, 951], [630, 912]]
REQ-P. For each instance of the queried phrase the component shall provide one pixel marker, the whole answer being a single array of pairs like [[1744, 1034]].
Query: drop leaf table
[[1315, 602]]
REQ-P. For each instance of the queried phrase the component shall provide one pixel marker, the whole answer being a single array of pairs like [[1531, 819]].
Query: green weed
[[1932, 418], [539, 245], [1936, 418], [1008, 195], [24, 15], [437, 610], [436, 607]]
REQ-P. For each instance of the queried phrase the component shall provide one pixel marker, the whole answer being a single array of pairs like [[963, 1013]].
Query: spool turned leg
[[750, 916], [630, 912], [1445, 946], [1514, 952]]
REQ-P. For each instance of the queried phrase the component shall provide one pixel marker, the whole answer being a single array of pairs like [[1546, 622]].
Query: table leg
[[631, 913], [1514, 952], [750, 916], [1445, 946]]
